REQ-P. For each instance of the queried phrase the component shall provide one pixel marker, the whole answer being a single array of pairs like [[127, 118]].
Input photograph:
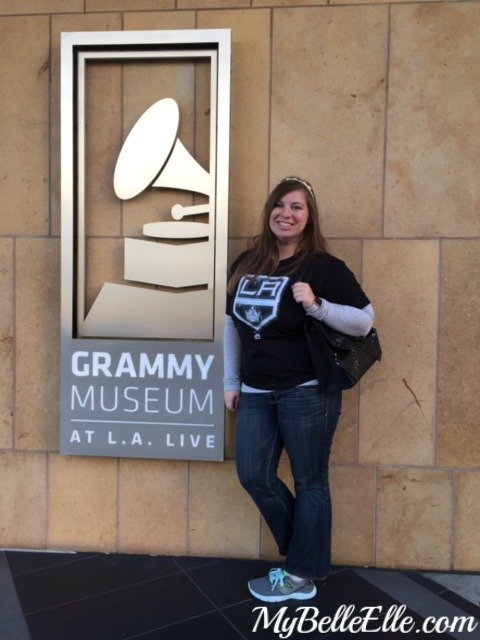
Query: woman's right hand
[[231, 399]]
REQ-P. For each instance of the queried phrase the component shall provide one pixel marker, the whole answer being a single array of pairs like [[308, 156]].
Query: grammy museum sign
[[142, 355]]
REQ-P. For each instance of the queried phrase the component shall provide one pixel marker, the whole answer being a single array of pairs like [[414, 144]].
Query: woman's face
[[289, 217]]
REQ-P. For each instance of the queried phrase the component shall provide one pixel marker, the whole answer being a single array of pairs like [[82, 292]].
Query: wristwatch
[[317, 303]]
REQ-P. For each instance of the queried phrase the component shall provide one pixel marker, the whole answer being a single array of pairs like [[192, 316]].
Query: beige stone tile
[[105, 263], [250, 79], [467, 517], [328, 110], [24, 153], [285, 3], [459, 355], [218, 504], [37, 343], [153, 499], [212, 4], [159, 20], [128, 5], [103, 210], [414, 518], [82, 498], [18, 7], [433, 156], [372, 1], [398, 395], [6, 343], [23, 499], [76, 22], [353, 504]]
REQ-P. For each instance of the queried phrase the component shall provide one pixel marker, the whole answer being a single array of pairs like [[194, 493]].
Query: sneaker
[[279, 586]]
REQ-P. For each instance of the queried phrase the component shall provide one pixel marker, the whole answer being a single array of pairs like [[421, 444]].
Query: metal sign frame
[[188, 369]]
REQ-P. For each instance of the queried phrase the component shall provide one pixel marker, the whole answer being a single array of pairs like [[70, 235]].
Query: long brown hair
[[263, 257]]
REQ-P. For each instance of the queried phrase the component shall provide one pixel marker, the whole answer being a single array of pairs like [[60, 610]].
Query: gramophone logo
[[177, 255]]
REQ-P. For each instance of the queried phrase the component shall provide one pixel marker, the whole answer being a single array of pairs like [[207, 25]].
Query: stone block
[[459, 355], [433, 155], [212, 4], [467, 517], [218, 504], [398, 395], [153, 502], [414, 518], [159, 20], [6, 343], [23, 499], [286, 3], [128, 5], [249, 150], [24, 152], [327, 120], [37, 343], [18, 7], [353, 504], [82, 498]]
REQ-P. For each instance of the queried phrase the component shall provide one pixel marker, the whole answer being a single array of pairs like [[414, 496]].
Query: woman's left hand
[[303, 293]]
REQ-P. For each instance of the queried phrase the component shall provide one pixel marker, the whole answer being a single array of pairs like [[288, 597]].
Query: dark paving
[[87, 596]]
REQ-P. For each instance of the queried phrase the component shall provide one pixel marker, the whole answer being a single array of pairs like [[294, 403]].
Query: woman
[[270, 381]]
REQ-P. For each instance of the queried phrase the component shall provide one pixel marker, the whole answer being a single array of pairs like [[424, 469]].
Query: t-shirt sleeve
[[341, 286]]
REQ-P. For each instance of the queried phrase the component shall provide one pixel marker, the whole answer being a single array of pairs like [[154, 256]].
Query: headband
[[306, 184]]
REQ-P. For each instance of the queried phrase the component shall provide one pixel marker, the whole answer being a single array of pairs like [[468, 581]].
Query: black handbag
[[340, 360]]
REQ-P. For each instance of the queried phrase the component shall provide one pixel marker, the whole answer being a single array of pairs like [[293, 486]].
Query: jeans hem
[[303, 574]]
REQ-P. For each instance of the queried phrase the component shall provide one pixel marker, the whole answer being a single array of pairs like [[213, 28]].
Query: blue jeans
[[303, 420]]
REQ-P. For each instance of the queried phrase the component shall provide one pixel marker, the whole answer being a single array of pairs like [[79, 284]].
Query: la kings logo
[[257, 299]]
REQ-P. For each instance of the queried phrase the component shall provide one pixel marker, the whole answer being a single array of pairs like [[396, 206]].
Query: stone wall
[[377, 105]]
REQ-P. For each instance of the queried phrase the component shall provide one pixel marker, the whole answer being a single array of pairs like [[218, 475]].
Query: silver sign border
[[76, 49]]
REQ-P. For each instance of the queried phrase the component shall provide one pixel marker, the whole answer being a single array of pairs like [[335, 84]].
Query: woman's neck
[[286, 250]]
